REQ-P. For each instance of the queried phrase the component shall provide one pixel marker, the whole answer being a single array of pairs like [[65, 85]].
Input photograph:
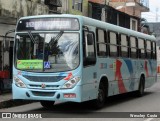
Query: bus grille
[[49, 94], [44, 78]]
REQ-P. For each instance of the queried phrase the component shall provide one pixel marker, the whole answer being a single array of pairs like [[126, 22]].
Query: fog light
[[69, 95]]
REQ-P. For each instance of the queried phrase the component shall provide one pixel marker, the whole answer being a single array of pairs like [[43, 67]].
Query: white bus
[[75, 58]]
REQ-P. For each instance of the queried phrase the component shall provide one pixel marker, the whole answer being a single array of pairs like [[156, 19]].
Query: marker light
[[71, 83], [69, 95], [19, 82]]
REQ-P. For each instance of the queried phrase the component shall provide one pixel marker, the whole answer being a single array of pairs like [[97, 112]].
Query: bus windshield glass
[[47, 52]]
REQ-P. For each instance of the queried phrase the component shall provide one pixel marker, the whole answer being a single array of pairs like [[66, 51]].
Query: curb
[[13, 103]]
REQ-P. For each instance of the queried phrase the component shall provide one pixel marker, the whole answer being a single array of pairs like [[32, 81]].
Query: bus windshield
[[47, 52]]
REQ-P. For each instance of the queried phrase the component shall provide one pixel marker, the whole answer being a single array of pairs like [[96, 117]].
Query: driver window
[[89, 48]]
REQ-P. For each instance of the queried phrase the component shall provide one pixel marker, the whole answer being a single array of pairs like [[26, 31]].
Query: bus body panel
[[52, 89], [123, 74]]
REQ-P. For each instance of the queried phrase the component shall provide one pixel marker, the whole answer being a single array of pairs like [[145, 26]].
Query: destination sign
[[48, 24]]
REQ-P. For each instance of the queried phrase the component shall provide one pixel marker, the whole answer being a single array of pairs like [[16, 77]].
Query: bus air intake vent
[[44, 78], [47, 94]]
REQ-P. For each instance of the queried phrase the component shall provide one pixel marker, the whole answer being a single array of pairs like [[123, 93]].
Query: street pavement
[[6, 98], [122, 103], [6, 101]]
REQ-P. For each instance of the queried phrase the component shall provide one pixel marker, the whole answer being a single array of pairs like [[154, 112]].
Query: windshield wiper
[[55, 39], [31, 36]]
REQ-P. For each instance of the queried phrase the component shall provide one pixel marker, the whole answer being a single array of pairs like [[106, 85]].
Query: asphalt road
[[117, 107]]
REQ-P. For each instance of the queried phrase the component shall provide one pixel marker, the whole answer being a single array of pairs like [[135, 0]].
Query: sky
[[154, 6]]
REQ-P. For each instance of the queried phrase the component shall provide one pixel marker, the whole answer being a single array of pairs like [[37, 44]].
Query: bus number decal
[[103, 65]]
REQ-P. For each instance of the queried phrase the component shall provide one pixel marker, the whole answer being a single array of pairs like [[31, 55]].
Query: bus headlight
[[19, 82], [71, 83]]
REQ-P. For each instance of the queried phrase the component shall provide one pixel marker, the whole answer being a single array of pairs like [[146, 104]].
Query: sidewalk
[[6, 101]]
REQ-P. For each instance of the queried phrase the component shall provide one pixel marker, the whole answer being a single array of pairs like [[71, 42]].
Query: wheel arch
[[104, 80], [143, 76]]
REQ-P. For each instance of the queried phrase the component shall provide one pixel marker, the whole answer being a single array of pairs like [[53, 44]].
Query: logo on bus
[[43, 86]]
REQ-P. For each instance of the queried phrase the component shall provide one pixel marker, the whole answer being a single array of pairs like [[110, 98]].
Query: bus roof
[[97, 23]]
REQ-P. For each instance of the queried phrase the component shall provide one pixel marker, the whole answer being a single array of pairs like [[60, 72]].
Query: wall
[[10, 12], [19, 8], [67, 8]]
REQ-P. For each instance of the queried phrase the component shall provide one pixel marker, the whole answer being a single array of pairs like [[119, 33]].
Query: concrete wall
[[19, 8]]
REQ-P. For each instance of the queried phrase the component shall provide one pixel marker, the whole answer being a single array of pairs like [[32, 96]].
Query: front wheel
[[47, 104], [100, 101]]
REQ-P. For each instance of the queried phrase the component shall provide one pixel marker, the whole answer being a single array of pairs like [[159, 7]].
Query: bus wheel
[[140, 91], [47, 104], [100, 101]]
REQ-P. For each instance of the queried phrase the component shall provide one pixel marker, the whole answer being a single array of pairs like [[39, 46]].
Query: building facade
[[77, 7], [155, 30], [125, 13], [133, 8], [103, 10], [10, 12]]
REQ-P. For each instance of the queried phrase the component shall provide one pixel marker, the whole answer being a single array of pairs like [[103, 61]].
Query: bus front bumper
[[73, 95]]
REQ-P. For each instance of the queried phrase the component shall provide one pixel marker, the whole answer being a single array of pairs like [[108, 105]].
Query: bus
[[75, 58]]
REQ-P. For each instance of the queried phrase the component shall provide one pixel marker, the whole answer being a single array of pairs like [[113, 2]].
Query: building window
[[77, 5], [133, 24]]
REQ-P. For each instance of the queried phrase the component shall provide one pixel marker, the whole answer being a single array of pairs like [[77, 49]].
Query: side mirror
[[89, 39]]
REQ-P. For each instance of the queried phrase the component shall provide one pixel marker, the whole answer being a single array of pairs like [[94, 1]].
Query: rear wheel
[[140, 91], [47, 104], [100, 101]]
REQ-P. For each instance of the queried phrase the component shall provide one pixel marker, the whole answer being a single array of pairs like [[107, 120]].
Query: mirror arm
[[10, 31], [4, 45]]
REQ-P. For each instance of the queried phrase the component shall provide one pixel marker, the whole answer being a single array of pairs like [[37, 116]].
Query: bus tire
[[101, 98], [47, 104], [141, 87]]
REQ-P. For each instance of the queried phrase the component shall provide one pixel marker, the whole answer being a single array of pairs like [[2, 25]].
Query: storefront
[[6, 55]]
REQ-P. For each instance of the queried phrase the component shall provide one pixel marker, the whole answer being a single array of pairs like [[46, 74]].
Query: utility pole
[[103, 14], [157, 9]]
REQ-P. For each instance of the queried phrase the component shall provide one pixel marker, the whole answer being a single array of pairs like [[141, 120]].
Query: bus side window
[[124, 46], [113, 44], [101, 43], [141, 48], [154, 50], [148, 49], [89, 49], [133, 47]]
